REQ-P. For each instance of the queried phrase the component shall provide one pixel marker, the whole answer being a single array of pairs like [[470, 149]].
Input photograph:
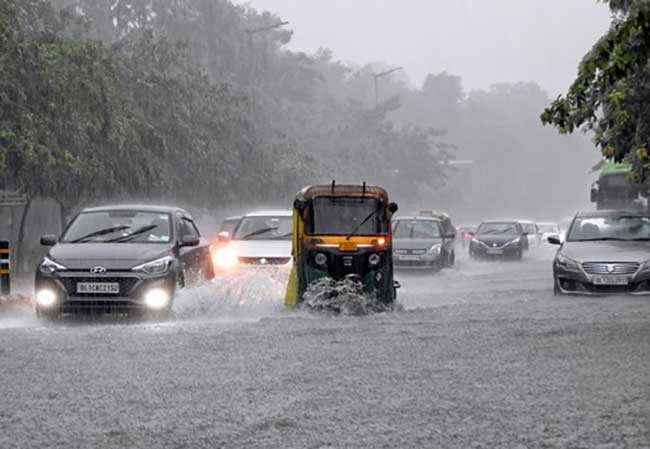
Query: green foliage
[[612, 90]]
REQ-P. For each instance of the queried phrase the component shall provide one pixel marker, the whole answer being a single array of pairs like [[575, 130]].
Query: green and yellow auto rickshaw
[[342, 230]]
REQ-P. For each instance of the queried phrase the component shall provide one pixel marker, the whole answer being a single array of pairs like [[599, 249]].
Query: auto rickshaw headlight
[[374, 259], [320, 259]]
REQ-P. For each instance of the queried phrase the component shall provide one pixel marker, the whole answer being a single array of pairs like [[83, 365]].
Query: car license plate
[[611, 280], [347, 247], [110, 288], [495, 251], [410, 257]]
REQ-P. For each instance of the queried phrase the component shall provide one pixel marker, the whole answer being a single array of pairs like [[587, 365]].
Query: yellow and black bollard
[[5, 270]]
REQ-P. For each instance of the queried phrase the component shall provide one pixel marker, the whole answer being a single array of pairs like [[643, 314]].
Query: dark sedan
[[498, 239], [121, 258], [605, 252]]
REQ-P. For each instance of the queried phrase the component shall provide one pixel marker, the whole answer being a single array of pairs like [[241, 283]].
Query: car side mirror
[[48, 240], [393, 207], [223, 236], [594, 195], [189, 241], [450, 235], [554, 240]]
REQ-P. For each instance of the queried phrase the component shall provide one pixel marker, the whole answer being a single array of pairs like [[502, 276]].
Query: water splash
[[342, 297], [244, 296]]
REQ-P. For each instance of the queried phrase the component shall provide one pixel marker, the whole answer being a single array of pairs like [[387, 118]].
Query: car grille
[[414, 252], [610, 268], [126, 285], [264, 260]]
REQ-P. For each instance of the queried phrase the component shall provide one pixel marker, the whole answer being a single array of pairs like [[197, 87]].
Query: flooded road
[[481, 355]]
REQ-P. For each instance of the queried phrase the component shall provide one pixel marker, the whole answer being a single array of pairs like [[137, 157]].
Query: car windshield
[[119, 226], [346, 215], [616, 227], [265, 228], [416, 229], [497, 229], [229, 225]]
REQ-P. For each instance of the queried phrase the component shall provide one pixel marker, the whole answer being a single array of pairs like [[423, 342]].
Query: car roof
[[136, 207], [270, 213], [501, 221], [416, 218], [612, 213]]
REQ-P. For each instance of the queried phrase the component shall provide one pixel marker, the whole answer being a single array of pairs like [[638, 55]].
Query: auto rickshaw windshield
[[342, 215]]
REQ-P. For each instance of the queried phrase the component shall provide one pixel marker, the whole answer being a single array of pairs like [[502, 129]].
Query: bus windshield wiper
[[134, 234], [100, 233]]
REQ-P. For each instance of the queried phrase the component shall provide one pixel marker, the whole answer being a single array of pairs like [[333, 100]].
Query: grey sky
[[484, 41]]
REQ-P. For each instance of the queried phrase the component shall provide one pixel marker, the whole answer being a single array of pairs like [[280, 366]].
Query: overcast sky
[[484, 41]]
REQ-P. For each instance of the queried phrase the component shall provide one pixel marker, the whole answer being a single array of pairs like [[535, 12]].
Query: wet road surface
[[482, 356]]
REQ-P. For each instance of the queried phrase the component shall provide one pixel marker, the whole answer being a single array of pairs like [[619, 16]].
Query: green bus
[[613, 189]]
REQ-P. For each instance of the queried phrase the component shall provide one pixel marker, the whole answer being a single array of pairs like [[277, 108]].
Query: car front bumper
[[423, 261], [132, 290], [578, 282], [484, 252]]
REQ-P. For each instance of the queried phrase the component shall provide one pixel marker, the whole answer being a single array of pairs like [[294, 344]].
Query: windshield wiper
[[100, 233], [258, 232], [364, 221], [134, 234]]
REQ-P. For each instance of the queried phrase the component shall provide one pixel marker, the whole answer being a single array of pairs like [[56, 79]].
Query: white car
[[530, 228], [261, 239], [547, 230]]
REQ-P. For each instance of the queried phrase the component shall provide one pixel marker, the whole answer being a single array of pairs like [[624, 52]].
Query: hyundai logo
[[98, 270]]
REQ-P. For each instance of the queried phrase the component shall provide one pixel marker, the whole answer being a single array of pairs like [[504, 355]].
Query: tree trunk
[[20, 257]]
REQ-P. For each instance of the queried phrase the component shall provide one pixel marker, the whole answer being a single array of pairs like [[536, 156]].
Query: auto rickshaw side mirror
[[393, 207]]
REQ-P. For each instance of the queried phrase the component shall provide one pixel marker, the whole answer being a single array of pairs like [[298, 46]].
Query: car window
[[265, 228], [119, 226], [188, 228], [416, 229], [619, 227], [498, 229]]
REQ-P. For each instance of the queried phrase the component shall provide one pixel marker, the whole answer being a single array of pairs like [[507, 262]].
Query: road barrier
[[5, 268]]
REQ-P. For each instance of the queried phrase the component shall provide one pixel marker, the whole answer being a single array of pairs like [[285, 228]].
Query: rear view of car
[[498, 239], [547, 230], [260, 240]]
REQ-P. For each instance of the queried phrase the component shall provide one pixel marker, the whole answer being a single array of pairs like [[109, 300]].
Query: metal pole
[[5, 281]]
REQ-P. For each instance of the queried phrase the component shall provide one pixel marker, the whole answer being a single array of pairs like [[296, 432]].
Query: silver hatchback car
[[605, 252]]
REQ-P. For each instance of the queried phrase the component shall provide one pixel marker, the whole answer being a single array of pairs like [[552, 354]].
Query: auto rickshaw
[[342, 230]]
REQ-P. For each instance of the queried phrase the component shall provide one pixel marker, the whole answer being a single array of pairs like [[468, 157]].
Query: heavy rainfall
[[324, 224]]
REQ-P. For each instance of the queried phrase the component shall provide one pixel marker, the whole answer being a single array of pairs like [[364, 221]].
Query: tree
[[612, 90]]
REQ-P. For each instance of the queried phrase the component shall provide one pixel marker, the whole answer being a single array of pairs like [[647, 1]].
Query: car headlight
[[515, 241], [646, 266], [225, 258], [46, 297], [48, 266], [435, 249], [566, 263], [158, 266], [475, 240]]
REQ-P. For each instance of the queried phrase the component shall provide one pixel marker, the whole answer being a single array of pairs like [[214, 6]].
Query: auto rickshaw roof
[[331, 190]]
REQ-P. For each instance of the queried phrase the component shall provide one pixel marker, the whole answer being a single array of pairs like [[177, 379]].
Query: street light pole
[[376, 76]]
